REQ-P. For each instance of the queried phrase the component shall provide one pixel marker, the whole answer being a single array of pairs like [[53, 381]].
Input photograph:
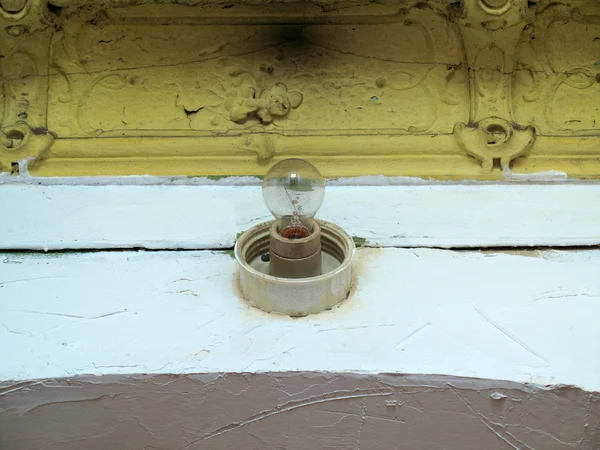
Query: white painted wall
[[47, 217], [157, 350], [527, 319]]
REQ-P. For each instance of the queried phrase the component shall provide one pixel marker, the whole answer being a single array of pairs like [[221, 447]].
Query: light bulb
[[293, 190]]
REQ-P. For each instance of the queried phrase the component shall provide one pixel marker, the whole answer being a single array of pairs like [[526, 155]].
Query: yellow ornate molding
[[430, 89]]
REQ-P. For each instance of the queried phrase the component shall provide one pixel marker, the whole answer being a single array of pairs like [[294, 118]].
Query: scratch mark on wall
[[558, 295], [360, 327], [209, 322], [363, 412], [553, 437], [71, 316], [22, 280], [292, 405], [591, 397], [118, 365], [145, 428], [511, 336], [252, 329], [62, 402], [18, 386], [408, 336], [312, 386], [495, 428], [22, 333], [337, 422], [367, 416], [415, 253], [185, 292]]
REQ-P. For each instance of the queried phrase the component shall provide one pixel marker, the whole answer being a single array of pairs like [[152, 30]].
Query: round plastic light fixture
[[295, 265]]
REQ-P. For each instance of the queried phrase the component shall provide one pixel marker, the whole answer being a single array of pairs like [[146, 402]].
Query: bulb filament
[[296, 229]]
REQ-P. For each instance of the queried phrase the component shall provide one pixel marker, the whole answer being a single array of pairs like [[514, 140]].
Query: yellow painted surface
[[431, 89]]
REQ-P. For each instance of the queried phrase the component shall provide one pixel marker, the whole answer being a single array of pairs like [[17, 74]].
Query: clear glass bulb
[[294, 190]]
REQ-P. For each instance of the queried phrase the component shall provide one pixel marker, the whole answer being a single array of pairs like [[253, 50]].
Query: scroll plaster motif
[[558, 81], [24, 69], [491, 30], [378, 82], [19, 143], [207, 80]]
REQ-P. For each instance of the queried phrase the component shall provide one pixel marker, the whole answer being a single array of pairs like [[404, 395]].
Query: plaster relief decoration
[[558, 84], [273, 102], [24, 83], [208, 79], [19, 145], [491, 30], [429, 89]]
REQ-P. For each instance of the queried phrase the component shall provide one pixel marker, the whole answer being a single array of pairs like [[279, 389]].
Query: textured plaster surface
[[209, 216], [450, 90], [527, 318], [300, 411]]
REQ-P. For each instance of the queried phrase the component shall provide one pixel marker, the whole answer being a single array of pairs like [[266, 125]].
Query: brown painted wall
[[294, 411]]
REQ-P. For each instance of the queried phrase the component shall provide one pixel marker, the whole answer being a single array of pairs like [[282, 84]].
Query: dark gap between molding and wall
[[229, 250]]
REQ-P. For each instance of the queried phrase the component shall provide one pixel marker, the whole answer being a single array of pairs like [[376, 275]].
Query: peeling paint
[[497, 396]]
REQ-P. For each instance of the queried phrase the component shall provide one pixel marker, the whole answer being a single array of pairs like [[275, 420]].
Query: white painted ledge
[[527, 319], [50, 217]]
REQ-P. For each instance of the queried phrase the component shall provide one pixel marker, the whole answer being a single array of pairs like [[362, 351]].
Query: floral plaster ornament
[[273, 102]]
